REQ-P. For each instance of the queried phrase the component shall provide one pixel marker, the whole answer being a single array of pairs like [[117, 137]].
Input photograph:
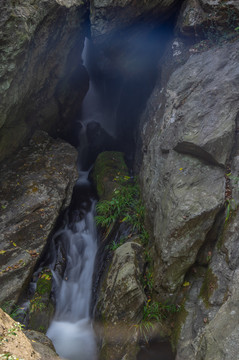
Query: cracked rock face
[[35, 186], [187, 142]]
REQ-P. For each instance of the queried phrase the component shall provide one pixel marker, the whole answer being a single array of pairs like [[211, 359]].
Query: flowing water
[[71, 329]]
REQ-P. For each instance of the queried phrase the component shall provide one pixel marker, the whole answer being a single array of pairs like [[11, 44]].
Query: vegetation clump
[[124, 206], [159, 311]]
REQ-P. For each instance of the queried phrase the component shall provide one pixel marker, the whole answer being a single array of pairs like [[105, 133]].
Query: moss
[[108, 165], [41, 307], [44, 283], [178, 324], [208, 287], [222, 236]]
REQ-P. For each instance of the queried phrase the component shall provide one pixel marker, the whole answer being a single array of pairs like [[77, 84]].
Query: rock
[[190, 132], [219, 339], [181, 216], [194, 96], [121, 301], [191, 18], [42, 344], [210, 328], [108, 15], [208, 18], [37, 77], [24, 344], [13, 340], [108, 166], [98, 141], [36, 185], [122, 297]]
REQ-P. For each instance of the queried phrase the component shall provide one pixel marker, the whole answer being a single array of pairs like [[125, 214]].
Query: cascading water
[[71, 329]]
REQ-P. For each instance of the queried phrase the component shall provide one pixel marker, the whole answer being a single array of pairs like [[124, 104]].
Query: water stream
[[71, 329]]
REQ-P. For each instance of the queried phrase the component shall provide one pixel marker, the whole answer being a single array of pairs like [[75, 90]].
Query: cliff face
[[36, 74], [190, 144]]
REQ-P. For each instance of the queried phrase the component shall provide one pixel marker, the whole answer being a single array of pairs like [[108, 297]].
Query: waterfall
[[71, 329]]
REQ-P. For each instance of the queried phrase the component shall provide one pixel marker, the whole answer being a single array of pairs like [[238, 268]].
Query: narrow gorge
[[119, 179]]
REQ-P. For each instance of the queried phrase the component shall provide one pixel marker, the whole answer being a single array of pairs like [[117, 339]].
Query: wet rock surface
[[36, 185]]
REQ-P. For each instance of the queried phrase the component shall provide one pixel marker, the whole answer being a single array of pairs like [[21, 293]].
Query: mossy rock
[[208, 287], [178, 324], [41, 306], [108, 165]]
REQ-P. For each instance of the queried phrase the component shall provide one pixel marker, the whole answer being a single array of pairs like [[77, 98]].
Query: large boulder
[[38, 78], [187, 142], [36, 185]]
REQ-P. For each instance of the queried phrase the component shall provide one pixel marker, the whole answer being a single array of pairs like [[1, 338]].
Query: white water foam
[[71, 329]]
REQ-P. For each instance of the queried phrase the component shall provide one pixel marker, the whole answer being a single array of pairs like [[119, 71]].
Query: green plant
[[125, 206], [144, 330], [36, 303], [148, 281], [230, 207], [114, 245], [15, 312], [12, 331], [9, 356], [158, 311], [233, 178]]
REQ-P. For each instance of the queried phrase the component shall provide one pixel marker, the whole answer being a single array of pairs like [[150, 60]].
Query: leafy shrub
[[125, 206]]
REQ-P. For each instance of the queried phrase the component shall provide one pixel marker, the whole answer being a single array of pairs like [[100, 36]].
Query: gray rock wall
[[35, 188], [186, 148], [40, 48], [190, 142]]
